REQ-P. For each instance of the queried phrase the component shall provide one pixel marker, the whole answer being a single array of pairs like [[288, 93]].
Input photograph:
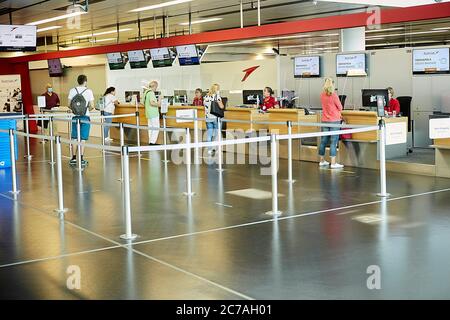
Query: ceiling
[[107, 15]]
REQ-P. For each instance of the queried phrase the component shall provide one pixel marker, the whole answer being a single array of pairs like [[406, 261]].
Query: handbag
[[345, 136], [215, 109]]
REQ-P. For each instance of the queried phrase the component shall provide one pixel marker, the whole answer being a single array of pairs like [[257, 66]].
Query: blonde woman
[[151, 105], [212, 124], [331, 113]]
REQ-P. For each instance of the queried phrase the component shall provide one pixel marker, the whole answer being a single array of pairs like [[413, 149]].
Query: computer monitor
[[129, 96], [224, 101], [251, 96], [375, 99]]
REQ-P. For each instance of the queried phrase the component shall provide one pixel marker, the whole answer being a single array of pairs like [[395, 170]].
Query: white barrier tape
[[326, 133], [90, 145], [328, 125], [98, 123], [114, 116], [133, 126], [12, 117], [37, 136], [190, 119], [64, 115], [254, 121], [199, 145]]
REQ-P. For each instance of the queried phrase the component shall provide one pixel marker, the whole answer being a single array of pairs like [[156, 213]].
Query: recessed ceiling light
[[160, 5], [200, 21], [102, 33], [48, 28], [64, 16]]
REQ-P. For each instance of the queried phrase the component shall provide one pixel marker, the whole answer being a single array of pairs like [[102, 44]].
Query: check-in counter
[[173, 123], [442, 152], [246, 114]]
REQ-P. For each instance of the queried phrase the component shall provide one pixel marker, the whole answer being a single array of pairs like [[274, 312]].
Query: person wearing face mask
[[51, 101]]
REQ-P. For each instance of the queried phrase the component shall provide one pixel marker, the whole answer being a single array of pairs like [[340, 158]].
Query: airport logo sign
[[248, 72]]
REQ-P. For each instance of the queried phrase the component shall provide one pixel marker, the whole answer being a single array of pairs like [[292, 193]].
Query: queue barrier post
[[79, 166], [289, 126], [188, 192], [69, 136], [274, 174], [196, 149], [12, 147], [102, 129], [61, 210], [138, 133], [122, 144], [52, 156], [219, 148], [165, 138], [382, 144], [28, 156], [126, 197], [42, 126]]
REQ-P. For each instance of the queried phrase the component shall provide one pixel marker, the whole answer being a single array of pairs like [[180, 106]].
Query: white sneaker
[[324, 164], [337, 166]]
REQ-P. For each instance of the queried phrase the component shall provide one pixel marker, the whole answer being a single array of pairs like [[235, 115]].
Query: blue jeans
[[211, 131], [334, 140], [106, 128]]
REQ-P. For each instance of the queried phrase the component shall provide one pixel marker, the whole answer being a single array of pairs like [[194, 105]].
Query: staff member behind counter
[[51, 101], [269, 101], [393, 107]]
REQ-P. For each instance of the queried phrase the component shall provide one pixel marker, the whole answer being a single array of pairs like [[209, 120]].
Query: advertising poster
[[10, 93]]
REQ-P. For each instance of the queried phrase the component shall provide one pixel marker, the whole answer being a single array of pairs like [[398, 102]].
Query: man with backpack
[[81, 100]]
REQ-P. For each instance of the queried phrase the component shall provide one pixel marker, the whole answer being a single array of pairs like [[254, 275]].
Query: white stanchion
[[196, 149], [274, 171], [102, 129], [289, 126], [42, 127], [122, 144], [69, 136], [13, 162], [219, 147], [52, 156], [382, 147], [165, 139], [79, 166], [61, 210], [28, 156], [189, 192], [126, 197], [138, 131]]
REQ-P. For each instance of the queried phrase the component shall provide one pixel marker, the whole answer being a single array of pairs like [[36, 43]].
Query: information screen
[[306, 67], [17, 38], [434, 60], [188, 55], [350, 62], [116, 61], [161, 57], [137, 59], [55, 68]]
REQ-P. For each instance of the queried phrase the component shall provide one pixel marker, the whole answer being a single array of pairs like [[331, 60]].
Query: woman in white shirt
[[110, 104], [212, 126]]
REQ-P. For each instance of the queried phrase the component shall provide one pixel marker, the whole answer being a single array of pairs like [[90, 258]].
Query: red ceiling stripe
[[434, 11]]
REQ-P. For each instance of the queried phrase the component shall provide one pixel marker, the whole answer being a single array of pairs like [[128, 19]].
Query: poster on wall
[[10, 93]]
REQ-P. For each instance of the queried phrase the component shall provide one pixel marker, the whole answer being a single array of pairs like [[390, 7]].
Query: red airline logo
[[248, 72]]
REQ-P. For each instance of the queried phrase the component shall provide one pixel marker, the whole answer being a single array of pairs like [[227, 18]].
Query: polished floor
[[419, 155], [221, 244]]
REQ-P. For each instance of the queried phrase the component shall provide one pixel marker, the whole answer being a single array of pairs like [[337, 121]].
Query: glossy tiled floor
[[221, 244]]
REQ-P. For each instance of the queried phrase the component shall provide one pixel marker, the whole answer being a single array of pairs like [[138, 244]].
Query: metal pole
[[259, 12], [219, 148], [382, 143], [79, 145], [52, 157], [61, 208], [196, 153], [289, 125], [42, 126], [102, 120], [126, 197], [165, 138], [27, 130], [69, 136], [274, 169], [122, 144], [138, 133], [188, 165], [13, 162]]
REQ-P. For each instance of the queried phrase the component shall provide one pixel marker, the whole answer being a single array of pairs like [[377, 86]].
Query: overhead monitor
[[138, 59], [17, 38], [55, 68], [351, 64], [431, 61], [375, 99], [161, 57], [116, 60], [251, 96], [188, 55], [306, 67]]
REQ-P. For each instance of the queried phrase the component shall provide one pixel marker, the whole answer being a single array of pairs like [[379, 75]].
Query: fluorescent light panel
[[201, 21], [102, 33], [384, 30], [160, 5], [64, 16], [48, 28]]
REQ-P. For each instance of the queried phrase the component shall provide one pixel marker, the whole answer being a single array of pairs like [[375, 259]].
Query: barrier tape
[[133, 126], [90, 145], [190, 119], [326, 133]]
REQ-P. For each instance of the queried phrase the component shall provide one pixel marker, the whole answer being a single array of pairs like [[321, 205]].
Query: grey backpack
[[78, 104]]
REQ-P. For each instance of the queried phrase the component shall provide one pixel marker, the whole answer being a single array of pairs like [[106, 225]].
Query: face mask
[[50, 90]]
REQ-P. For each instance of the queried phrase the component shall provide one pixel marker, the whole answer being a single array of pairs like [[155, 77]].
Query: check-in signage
[[440, 128], [396, 133], [189, 113]]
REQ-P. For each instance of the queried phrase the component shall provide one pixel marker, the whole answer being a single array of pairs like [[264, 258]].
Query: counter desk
[[442, 152]]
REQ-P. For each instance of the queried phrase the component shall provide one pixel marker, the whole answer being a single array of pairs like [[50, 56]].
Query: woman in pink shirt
[[331, 113]]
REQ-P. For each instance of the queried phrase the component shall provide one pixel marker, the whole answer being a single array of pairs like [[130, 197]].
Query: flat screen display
[[429, 61], [350, 62], [305, 67], [55, 68], [17, 38], [188, 55], [138, 59], [116, 60], [161, 57]]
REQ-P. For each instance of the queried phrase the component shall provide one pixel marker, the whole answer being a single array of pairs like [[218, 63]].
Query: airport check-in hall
[[224, 150]]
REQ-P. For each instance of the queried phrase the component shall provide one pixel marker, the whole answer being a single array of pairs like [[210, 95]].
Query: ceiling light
[[329, 35], [444, 28], [64, 16], [102, 40], [102, 33], [200, 21], [383, 30], [388, 3], [160, 5], [48, 28]]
